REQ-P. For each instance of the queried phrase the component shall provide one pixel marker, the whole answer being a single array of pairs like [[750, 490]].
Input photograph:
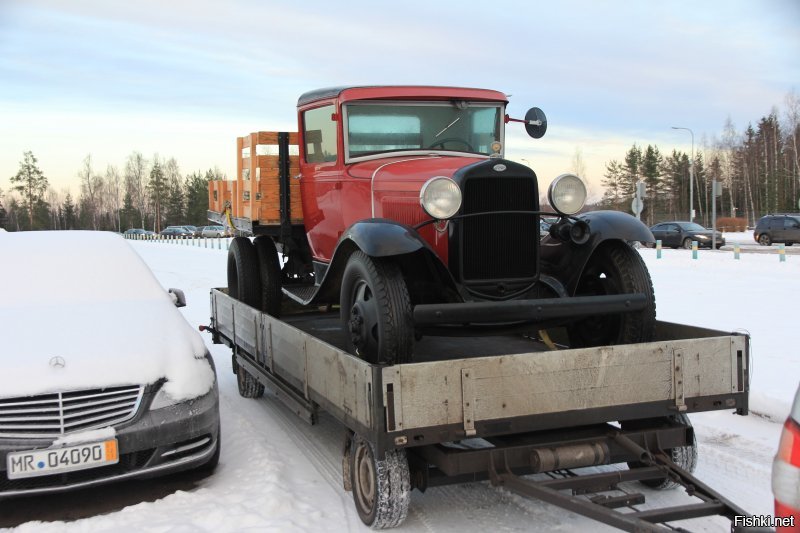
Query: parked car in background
[[96, 400], [215, 231], [786, 469], [138, 231], [179, 232], [198, 232], [192, 229], [678, 234], [777, 228]]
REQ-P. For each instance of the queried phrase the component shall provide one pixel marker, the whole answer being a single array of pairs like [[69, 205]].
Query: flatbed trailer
[[497, 408]]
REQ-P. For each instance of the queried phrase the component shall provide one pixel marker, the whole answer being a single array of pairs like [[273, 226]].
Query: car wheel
[[270, 274], [243, 278], [789, 243], [764, 240], [687, 243], [376, 310], [614, 269], [683, 456], [381, 488]]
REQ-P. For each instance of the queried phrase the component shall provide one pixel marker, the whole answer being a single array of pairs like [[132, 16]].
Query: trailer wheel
[[381, 489], [249, 386], [683, 456], [270, 274], [376, 310], [615, 268], [243, 282]]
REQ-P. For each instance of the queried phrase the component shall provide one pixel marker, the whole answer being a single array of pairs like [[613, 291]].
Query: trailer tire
[[615, 268], [683, 456], [381, 488], [243, 282], [249, 386], [270, 275], [376, 310]]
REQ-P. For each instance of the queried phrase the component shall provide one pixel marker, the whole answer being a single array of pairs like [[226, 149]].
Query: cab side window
[[319, 135]]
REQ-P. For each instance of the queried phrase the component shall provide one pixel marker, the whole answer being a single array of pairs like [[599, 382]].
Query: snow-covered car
[[101, 377], [786, 472]]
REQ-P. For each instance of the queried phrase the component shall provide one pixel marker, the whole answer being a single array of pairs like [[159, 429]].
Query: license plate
[[59, 460]]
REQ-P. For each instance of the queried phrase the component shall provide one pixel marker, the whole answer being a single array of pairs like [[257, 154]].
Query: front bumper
[[545, 310], [171, 439]]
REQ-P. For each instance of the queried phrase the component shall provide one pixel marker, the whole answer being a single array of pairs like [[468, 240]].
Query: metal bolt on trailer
[[500, 409]]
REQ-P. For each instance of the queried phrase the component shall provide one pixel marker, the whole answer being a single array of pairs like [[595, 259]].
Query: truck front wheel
[[243, 278], [376, 310], [615, 268], [270, 274]]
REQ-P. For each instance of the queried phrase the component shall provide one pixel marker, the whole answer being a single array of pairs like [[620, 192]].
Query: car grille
[[52, 415], [501, 246]]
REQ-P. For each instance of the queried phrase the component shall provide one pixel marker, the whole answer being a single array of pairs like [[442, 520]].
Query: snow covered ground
[[279, 474]]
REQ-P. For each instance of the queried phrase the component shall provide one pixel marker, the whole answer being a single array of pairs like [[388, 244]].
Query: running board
[[583, 493]]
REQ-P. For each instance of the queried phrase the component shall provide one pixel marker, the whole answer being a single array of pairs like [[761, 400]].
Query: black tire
[[376, 310], [683, 456], [615, 268], [270, 275], [249, 386], [243, 279], [687, 243], [381, 489], [764, 240], [789, 243]]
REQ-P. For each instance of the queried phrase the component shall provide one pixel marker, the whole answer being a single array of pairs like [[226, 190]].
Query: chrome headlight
[[567, 194], [440, 197]]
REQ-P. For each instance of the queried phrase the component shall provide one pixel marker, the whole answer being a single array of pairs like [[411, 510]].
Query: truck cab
[[415, 223]]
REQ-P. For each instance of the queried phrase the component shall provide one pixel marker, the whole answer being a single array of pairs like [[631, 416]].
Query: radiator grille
[[501, 246], [53, 415]]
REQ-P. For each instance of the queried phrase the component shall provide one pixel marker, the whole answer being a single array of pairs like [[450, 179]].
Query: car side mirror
[[178, 298]]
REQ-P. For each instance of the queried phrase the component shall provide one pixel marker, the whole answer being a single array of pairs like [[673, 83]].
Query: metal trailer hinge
[[468, 400], [677, 367]]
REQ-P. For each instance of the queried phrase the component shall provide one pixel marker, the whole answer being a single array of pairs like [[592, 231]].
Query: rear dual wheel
[[254, 279]]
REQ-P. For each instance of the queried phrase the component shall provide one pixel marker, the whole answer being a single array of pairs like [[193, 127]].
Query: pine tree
[[68, 210], [3, 214], [31, 183], [128, 215], [197, 197], [157, 187]]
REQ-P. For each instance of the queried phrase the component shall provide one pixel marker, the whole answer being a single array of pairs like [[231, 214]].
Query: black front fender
[[566, 260], [427, 278]]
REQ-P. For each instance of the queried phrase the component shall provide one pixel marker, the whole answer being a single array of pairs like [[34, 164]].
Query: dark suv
[[778, 228]]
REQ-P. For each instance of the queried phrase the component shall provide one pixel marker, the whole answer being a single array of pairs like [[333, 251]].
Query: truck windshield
[[379, 127]]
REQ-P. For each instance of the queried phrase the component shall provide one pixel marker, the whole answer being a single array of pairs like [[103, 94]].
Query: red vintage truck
[[398, 280], [415, 224]]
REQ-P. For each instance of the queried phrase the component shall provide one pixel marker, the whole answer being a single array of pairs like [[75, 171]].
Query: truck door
[[321, 179]]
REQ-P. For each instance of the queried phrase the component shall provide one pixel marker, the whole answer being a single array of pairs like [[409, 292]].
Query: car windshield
[[691, 226], [380, 127]]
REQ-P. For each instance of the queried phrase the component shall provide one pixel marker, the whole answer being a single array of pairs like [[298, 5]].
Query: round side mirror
[[535, 123]]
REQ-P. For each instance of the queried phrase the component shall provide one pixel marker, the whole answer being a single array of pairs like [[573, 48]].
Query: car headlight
[[162, 399], [567, 194], [440, 197], [702, 237]]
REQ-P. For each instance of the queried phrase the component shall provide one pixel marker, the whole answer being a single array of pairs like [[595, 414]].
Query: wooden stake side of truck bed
[[486, 386]]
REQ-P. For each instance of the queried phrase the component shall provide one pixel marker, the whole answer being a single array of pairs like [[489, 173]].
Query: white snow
[[279, 474], [95, 435], [89, 299]]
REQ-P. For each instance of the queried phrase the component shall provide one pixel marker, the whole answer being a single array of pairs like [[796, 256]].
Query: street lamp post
[[691, 175]]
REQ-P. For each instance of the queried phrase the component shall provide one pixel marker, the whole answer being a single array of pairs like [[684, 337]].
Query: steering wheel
[[442, 142]]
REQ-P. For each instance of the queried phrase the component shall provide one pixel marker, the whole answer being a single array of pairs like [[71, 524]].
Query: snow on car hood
[[81, 310]]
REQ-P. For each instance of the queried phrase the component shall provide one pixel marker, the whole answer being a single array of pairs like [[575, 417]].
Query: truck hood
[[407, 173]]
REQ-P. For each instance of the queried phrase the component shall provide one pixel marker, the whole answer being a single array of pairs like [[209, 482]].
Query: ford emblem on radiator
[[499, 167], [58, 362]]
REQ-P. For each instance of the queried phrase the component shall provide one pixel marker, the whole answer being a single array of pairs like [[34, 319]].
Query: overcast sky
[[185, 78]]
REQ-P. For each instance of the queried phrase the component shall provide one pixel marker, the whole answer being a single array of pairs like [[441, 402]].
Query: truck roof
[[371, 92]]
